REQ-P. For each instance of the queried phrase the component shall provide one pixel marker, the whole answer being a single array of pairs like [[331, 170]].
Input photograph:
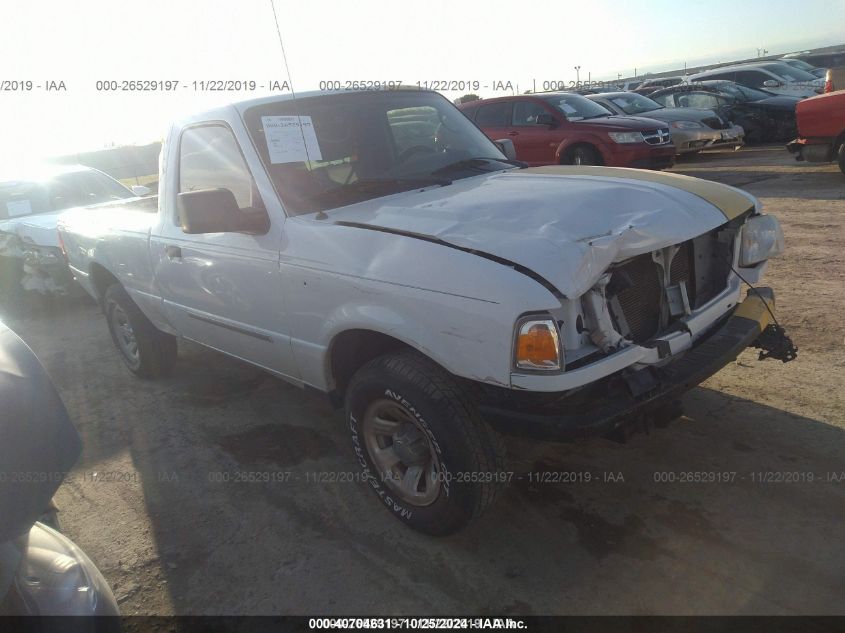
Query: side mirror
[[507, 148], [216, 211], [546, 119], [141, 190], [771, 83]]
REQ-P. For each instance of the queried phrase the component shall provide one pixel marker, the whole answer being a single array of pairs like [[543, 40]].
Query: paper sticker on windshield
[[18, 207], [290, 139]]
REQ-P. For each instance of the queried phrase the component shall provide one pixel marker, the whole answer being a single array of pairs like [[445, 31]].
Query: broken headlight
[[762, 238]]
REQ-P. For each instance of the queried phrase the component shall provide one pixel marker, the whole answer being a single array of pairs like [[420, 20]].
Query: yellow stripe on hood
[[728, 200]]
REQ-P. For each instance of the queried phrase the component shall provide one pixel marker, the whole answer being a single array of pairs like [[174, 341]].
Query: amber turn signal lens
[[537, 345]]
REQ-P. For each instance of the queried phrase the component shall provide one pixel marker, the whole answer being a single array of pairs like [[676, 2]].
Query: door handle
[[173, 252], [513, 133]]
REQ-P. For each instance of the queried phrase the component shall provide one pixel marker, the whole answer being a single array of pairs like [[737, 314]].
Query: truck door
[[222, 289]]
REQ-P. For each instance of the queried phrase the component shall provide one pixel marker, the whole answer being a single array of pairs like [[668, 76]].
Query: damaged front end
[[652, 327], [31, 267]]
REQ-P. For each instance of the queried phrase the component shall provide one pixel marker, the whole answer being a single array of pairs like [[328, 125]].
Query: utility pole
[[577, 75]]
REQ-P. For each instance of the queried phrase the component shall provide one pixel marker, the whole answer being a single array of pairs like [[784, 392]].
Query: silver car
[[692, 129]]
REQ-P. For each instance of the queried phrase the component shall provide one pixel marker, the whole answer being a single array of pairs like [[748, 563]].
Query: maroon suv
[[556, 128]]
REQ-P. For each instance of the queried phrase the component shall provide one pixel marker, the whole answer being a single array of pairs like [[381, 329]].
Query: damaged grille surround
[[646, 296]]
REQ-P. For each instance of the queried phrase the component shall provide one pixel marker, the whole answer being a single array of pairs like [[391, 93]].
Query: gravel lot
[[172, 536]]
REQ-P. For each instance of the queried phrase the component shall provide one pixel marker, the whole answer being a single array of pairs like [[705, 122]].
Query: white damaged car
[[377, 247], [30, 204]]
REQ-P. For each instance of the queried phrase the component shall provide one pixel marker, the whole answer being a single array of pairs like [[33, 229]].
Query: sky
[[497, 44]]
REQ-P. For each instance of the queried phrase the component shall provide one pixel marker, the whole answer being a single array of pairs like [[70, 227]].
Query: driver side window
[[526, 112], [210, 158], [667, 100]]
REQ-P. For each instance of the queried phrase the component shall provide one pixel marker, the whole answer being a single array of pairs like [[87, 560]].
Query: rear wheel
[[584, 155], [421, 443], [840, 157], [147, 351]]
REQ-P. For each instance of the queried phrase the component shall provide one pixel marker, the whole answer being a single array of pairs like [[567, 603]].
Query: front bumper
[[632, 394], [697, 140], [812, 151]]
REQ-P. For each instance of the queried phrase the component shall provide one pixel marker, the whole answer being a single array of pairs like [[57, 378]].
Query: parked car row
[[563, 128], [692, 129]]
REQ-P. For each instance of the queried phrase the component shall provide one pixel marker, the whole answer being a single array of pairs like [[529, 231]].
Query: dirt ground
[[155, 504]]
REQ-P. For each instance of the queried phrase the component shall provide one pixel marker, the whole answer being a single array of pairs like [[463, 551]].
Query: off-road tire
[[156, 349], [840, 157], [470, 453]]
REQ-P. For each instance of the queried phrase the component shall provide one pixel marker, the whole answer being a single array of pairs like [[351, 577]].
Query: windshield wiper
[[477, 164]]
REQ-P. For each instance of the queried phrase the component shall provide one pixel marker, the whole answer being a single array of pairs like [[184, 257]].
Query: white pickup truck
[[376, 246]]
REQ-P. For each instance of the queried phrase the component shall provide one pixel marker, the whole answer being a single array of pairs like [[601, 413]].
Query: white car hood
[[564, 224]]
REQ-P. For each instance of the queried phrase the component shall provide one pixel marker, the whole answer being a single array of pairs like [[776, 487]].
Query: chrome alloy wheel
[[401, 452]]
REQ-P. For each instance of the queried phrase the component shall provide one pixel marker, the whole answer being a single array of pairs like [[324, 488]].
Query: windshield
[[634, 103], [789, 73], [740, 93], [577, 108], [329, 151], [64, 191]]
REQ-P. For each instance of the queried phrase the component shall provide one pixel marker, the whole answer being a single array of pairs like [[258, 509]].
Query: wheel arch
[[351, 349], [565, 148], [101, 279]]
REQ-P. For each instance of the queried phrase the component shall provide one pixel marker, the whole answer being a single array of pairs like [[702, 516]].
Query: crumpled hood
[[567, 224], [39, 228]]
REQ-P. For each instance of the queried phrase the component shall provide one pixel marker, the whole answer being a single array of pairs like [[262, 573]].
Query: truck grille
[[635, 291], [660, 136]]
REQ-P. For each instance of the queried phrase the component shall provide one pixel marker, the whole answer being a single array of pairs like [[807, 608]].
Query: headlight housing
[[537, 344], [626, 137], [762, 238], [59, 579], [686, 125]]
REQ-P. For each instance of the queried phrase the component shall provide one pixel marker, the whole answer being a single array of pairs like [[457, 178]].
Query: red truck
[[557, 128], [821, 129]]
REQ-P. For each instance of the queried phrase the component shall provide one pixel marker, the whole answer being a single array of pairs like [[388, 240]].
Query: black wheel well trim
[[101, 279], [587, 144], [350, 350]]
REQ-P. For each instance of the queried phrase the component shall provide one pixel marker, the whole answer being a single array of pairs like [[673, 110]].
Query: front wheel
[[147, 351], [583, 155], [841, 158], [424, 449]]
